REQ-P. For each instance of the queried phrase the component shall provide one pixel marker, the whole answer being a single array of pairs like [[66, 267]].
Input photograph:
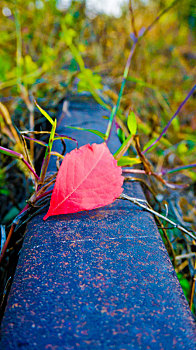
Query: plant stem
[[11, 231], [193, 287], [168, 243], [134, 171], [163, 172], [20, 157], [165, 10], [181, 228], [132, 18], [169, 123], [18, 48], [116, 108], [7, 242], [135, 42], [30, 168], [47, 153], [184, 167]]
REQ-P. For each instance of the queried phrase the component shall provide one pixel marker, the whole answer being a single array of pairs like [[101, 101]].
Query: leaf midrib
[[75, 189]]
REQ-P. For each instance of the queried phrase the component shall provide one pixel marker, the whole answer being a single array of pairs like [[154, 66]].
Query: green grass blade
[[123, 148], [45, 114], [96, 132]]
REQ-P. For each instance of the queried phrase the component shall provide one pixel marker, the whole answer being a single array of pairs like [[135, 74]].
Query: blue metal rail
[[97, 280]]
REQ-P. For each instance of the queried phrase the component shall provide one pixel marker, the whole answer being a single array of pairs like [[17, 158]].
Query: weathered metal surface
[[96, 280]]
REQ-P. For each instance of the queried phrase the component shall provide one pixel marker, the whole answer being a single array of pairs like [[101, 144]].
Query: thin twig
[[39, 210], [143, 183], [169, 123], [165, 10], [3, 236], [185, 256], [124, 196], [134, 171], [193, 285], [19, 47], [30, 106], [132, 18], [7, 242], [115, 109], [18, 156], [168, 243], [162, 172], [126, 70], [192, 291]]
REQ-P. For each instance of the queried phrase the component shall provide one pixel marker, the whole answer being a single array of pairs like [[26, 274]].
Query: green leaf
[[124, 147], [45, 114], [96, 132], [128, 161], [132, 123]]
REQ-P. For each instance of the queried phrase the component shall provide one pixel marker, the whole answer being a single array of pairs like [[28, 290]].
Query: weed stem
[[181, 228], [169, 123]]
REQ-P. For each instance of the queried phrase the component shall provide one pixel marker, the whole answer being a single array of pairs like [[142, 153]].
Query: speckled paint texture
[[96, 280]]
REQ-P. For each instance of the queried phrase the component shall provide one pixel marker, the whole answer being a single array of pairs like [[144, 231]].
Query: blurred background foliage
[[47, 51]]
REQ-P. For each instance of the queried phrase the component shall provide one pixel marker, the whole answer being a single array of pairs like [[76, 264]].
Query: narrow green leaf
[[123, 148], [45, 114], [128, 161], [141, 82], [132, 123], [96, 132]]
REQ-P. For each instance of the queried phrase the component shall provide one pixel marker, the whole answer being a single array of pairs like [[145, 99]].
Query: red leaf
[[88, 178]]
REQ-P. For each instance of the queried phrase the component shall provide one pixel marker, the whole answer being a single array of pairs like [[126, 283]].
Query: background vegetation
[[46, 53]]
